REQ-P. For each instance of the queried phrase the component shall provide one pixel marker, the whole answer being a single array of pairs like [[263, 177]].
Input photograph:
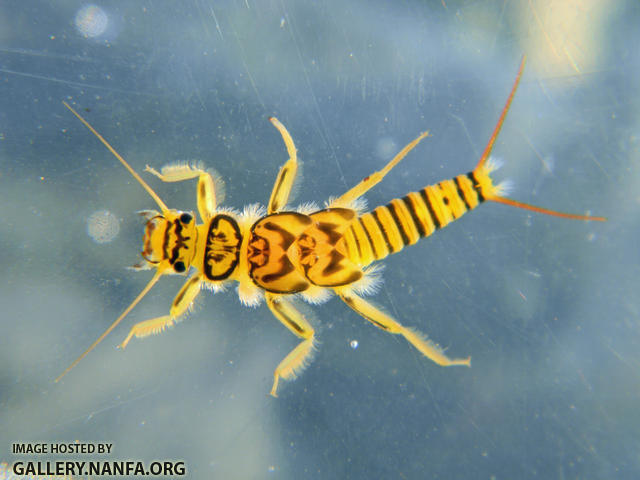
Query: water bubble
[[386, 148], [91, 21], [103, 226], [353, 344]]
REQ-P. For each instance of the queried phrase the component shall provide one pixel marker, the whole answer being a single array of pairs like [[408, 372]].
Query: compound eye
[[186, 218], [179, 267]]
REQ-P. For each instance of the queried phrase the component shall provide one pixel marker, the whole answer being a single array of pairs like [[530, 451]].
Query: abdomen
[[403, 221]]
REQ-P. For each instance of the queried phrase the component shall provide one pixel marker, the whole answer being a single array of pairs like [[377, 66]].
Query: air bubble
[[386, 148], [103, 226], [353, 344], [91, 21]]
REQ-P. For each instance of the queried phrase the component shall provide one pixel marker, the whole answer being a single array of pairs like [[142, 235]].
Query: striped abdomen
[[403, 221]]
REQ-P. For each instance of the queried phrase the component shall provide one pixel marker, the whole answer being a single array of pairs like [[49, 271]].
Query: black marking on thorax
[[222, 249]]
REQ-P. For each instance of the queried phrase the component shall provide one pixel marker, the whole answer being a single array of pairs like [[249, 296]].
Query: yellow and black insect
[[277, 253]]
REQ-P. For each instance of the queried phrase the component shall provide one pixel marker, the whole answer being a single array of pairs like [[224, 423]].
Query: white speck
[[103, 226], [91, 21], [353, 344]]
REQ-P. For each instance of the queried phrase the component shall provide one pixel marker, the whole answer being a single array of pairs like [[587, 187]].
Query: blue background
[[547, 308]]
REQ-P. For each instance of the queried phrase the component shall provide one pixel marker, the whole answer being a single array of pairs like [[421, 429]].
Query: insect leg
[[287, 173], [381, 320], [210, 188], [179, 307], [346, 199], [298, 358]]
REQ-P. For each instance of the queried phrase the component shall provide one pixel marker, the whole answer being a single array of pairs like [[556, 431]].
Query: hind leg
[[381, 320], [346, 199]]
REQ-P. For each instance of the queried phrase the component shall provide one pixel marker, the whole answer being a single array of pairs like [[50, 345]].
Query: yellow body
[[277, 253]]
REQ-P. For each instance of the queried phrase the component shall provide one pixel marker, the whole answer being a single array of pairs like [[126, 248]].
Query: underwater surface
[[547, 308]]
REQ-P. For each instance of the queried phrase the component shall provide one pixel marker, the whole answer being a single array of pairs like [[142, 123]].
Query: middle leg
[[298, 358]]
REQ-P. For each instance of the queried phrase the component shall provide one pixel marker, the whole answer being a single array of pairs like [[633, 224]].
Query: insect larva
[[276, 255]]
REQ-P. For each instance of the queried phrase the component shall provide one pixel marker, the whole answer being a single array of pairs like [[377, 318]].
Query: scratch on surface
[[204, 24], [618, 356], [466, 132], [323, 130], [545, 165], [573, 63], [246, 67], [189, 73], [77, 84], [545, 92], [595, 160], [544, 31], [475, 425], [37, 53], [215, 19], [91, 414]]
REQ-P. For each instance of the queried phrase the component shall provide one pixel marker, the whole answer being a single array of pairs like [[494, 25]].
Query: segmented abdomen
[[403, 221]]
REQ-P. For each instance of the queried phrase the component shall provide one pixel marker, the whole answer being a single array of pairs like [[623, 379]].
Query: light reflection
[[91, 21]]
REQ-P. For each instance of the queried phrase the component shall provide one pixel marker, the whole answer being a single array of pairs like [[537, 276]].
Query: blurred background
[[547, 308]]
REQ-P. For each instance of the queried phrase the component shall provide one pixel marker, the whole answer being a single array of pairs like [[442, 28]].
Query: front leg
[[179, 307], [210, 185], [287, 173]]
